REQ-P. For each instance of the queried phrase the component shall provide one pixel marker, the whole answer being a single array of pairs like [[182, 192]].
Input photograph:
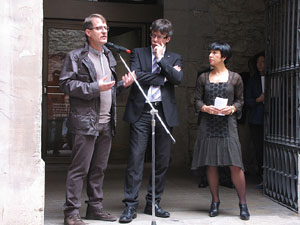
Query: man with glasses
[[88, 77], [158, 71]]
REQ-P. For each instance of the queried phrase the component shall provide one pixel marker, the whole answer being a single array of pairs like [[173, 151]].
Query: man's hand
[[261, 98], [159, 50], [128, 80], [105, 86], [178, 68]]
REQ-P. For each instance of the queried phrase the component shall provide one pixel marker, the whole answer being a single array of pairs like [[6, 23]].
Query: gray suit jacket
[[141, 63]]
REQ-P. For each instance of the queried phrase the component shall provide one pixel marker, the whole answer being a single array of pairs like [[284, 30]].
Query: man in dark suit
[[254, 99], [158, 71]]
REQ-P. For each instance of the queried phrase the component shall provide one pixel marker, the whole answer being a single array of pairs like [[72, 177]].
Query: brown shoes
[[73, 220], [100, 214]]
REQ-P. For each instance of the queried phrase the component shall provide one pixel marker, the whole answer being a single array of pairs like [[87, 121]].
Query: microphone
[[118, 47]]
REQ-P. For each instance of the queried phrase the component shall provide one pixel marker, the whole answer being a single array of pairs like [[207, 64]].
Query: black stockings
[[213, 181], [238, 179]]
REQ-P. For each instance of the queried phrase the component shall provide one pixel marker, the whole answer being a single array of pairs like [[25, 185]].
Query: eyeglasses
[[105, 28], [158, 36]]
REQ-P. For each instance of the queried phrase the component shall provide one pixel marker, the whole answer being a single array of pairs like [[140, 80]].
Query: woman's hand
[[228, 110], [210, 109]]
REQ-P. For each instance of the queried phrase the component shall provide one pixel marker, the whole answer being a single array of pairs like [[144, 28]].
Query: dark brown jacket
[[78, 79]]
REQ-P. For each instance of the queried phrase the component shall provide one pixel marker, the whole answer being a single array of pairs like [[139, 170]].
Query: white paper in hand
[[220, 103]]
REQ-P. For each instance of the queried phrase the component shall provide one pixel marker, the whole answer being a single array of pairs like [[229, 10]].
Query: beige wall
[[21, 167]]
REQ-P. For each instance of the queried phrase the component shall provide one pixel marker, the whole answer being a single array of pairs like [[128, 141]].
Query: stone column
[[21, 167]]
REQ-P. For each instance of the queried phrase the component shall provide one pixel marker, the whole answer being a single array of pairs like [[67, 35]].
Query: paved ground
[[187, 203]]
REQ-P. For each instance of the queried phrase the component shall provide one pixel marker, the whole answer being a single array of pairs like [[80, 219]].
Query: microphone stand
[[154, 113]]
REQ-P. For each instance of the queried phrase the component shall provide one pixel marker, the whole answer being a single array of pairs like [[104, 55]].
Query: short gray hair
[[88, 21]]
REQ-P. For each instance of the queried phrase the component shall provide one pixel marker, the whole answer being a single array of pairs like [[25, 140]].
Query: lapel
[[148, 59], [167, 55], [259, 86], [90, 66], [111, 61], [84, 58]]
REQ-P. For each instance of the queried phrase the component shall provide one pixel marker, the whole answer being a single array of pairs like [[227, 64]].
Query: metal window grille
[[282, 95]]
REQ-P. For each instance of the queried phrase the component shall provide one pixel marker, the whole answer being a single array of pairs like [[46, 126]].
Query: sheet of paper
[[220, 103]]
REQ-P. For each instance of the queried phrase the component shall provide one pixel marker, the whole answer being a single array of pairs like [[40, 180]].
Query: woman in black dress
[[217, 141]]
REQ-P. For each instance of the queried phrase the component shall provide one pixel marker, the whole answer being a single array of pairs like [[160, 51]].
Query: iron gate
[[282, 95]]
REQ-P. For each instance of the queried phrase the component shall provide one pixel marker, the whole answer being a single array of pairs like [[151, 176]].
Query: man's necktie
[[155, 90], [155, 66]]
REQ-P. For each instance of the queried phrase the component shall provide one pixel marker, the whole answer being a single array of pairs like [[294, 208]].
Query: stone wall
[[21, 167], [197, 23]]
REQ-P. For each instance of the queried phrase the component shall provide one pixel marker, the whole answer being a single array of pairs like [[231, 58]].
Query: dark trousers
[[257, 136], [139, 137], [89, 160]]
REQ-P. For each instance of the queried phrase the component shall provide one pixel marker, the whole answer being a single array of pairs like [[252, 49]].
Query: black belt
[[156, 105]]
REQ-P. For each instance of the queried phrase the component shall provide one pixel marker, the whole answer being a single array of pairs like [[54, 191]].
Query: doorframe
[[76, 25]]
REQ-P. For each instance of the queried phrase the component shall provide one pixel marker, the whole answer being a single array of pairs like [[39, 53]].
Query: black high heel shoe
[[214, 209], [244, 213]]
